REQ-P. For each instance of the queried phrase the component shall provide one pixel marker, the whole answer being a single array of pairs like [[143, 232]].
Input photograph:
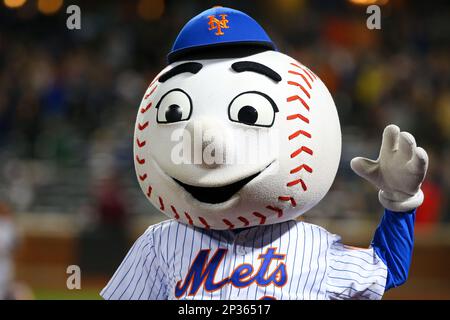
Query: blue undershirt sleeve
[[393, 243]]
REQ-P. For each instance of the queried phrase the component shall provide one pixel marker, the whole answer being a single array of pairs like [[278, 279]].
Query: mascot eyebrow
[[191, 67], [242, 66]]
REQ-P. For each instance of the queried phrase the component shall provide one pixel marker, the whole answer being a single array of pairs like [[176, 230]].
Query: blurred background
[[68, 101]]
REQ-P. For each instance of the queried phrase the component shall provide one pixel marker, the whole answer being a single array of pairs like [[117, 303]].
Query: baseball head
[[236, 142]]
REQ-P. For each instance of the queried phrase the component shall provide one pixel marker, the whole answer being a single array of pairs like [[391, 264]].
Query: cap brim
[[211, 50]]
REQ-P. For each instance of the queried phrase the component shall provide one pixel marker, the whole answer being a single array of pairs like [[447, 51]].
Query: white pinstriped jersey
[[289, 260], [7, 243]]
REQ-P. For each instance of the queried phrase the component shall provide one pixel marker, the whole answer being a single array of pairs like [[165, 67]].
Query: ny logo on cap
[[216, 24]]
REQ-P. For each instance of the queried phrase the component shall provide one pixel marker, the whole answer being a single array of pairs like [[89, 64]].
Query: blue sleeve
[[393, 243]]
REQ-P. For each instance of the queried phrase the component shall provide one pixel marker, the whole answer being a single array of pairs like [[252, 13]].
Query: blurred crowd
[[68, 99]]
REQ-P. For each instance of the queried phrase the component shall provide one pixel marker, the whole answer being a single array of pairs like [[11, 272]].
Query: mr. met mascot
[[234, 141]]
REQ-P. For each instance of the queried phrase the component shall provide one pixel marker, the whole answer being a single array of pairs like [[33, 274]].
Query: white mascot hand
[[398, 172]]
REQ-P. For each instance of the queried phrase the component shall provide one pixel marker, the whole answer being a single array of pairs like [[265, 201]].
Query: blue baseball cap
[[219, 27]]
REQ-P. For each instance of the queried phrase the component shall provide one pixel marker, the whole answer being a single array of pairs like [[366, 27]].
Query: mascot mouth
[[215, 195]]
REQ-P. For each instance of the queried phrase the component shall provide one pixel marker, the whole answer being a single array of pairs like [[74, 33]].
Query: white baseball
[[296, 159]]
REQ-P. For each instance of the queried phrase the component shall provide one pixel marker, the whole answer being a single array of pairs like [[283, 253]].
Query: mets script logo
[[202, 273], [216, 24]]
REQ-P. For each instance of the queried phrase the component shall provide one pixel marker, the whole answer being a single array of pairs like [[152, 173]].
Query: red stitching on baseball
[[298, 116], [261, 216], [293, 83], [301, 75], [245, 221], [153, 82], [189, 218], [299, 132], [143, 177], [228, 223], [177, 216], [161, 204], [303, 166], [144, 110], [297, 181], [142, 126], [302, 149], [149, 191], [306, 70], [309, 72], [279, 211], [139, 160], [151, 92], [140, 143], [284, 198], [293, 98], [203, 221]]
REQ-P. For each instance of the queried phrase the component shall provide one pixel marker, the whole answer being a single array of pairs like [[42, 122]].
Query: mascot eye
[[174, 106], [253, 108]]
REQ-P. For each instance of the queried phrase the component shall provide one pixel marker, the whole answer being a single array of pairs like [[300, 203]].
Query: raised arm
[[398, 174]]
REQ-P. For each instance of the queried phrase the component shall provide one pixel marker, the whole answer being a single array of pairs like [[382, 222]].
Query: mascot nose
[[209, 142]]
